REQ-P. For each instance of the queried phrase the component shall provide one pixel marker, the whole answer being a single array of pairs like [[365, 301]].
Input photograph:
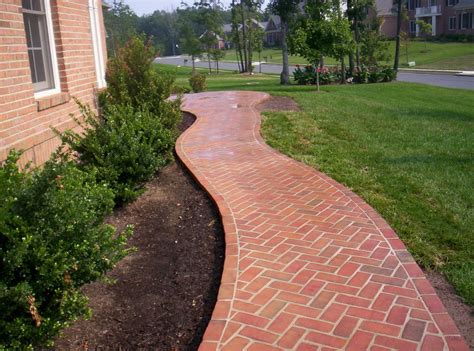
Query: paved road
[[443, 80]]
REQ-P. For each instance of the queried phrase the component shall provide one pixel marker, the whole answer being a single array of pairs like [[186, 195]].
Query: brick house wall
[[26, 120]]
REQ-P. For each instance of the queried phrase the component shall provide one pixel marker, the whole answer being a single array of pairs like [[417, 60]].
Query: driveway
[[442, 80]]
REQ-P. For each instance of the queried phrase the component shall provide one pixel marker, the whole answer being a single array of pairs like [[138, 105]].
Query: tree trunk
[[399, 28], [351, 63], [209, 61], [343, 71], [321, 61], [244, 37], [249, 33], [194, 63], [285, 73], [217, 66], [357, 39]]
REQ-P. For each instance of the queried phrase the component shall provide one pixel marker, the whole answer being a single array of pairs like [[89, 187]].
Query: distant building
[[445, 16]]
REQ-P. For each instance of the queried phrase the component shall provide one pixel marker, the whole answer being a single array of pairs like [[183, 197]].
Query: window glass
[[37, 41]]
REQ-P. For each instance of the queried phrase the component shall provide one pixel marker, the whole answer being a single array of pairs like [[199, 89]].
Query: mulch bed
[[165, 292]]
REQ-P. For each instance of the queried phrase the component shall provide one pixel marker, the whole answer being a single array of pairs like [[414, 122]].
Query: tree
[[217, 55], [425, 29], [373, 47], [190, 43], [121, 25], [210, 19], [398, 35], [324, 31], [357, 15], [286, 9]]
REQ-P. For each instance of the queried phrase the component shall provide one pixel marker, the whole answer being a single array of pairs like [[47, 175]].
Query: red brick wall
[[25, 123]]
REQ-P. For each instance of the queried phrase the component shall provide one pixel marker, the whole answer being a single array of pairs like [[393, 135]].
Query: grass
[[435, 55], [407, 149]]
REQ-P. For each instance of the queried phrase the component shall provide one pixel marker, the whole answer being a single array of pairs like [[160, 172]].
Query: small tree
[[425, 30], [323, 32], [190, 44], [217, 55], [373, 48]]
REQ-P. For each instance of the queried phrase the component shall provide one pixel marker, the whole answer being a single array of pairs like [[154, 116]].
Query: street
[[442, 80]]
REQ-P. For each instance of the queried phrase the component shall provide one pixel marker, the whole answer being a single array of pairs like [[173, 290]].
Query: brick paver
[[309, 265]]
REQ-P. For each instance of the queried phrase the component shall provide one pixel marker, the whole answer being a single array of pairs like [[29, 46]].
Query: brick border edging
[[220, 315]]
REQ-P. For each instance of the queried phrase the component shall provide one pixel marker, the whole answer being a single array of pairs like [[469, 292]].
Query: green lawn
[[407, 149], [456, 56]]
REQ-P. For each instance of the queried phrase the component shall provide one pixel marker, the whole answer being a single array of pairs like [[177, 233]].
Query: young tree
[[286, 9], [190, 43], [217, 55], [373, 47], [425, 30], [323, 32]]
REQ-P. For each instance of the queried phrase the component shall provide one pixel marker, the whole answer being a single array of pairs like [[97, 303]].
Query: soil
[[460, 312], [278, 103], [164, 292]]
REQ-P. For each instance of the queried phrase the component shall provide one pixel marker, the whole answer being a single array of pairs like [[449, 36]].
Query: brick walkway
[[309, 265]]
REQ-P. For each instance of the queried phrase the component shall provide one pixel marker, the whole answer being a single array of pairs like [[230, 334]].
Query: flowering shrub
[[53, 240], [198, 82], [329, 75]]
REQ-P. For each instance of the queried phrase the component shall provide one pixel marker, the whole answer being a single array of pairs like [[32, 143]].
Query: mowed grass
[[407, 149], [435, 55]]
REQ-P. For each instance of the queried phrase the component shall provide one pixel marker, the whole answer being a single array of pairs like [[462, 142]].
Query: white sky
[[142, 7]]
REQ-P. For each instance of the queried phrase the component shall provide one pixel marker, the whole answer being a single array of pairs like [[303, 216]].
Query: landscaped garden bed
[[164, 293]]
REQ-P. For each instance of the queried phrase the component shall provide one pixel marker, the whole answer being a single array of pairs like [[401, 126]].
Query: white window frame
[[97, 44], [53, 55]]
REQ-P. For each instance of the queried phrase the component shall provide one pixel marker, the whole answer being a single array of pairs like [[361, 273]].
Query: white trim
[[53, 54], [97, 44]]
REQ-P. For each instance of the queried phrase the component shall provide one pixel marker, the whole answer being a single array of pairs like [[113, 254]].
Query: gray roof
[[464, 5]]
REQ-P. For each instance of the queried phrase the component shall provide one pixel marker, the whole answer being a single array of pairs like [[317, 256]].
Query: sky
[[142, 7]]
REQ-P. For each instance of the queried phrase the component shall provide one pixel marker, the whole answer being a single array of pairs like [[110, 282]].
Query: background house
[[445, 17], [50, 52]]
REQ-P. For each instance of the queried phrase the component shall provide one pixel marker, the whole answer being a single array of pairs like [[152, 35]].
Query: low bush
[[197, 81], [362, 75], [52, 242], [124, 147]]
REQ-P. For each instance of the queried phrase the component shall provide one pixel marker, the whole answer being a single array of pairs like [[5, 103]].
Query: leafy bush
[[133, 80], [361, 75], [198, 82], [124, 147], [388, 74], [374, 74], [52, 242]]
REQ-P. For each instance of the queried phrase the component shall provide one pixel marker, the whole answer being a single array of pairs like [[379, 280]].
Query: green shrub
[[124, 147], [198, 82], [388, 74], [52, 242], [133, 80]]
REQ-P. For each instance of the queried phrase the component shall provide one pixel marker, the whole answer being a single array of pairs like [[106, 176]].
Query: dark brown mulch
[[165, 292], [278, 103]]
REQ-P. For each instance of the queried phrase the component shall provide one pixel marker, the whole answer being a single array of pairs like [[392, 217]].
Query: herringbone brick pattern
[[309, 265]]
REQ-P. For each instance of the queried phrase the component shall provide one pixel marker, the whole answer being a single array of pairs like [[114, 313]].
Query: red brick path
[[309, 265]]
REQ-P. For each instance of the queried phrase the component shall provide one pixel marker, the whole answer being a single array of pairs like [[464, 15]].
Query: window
[[41, 49], [97, 43], [466, 20], [412, 26], [452, 23], [451, 2]]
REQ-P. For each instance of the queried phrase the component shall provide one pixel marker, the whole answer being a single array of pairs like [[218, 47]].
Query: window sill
[[53, 100]]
